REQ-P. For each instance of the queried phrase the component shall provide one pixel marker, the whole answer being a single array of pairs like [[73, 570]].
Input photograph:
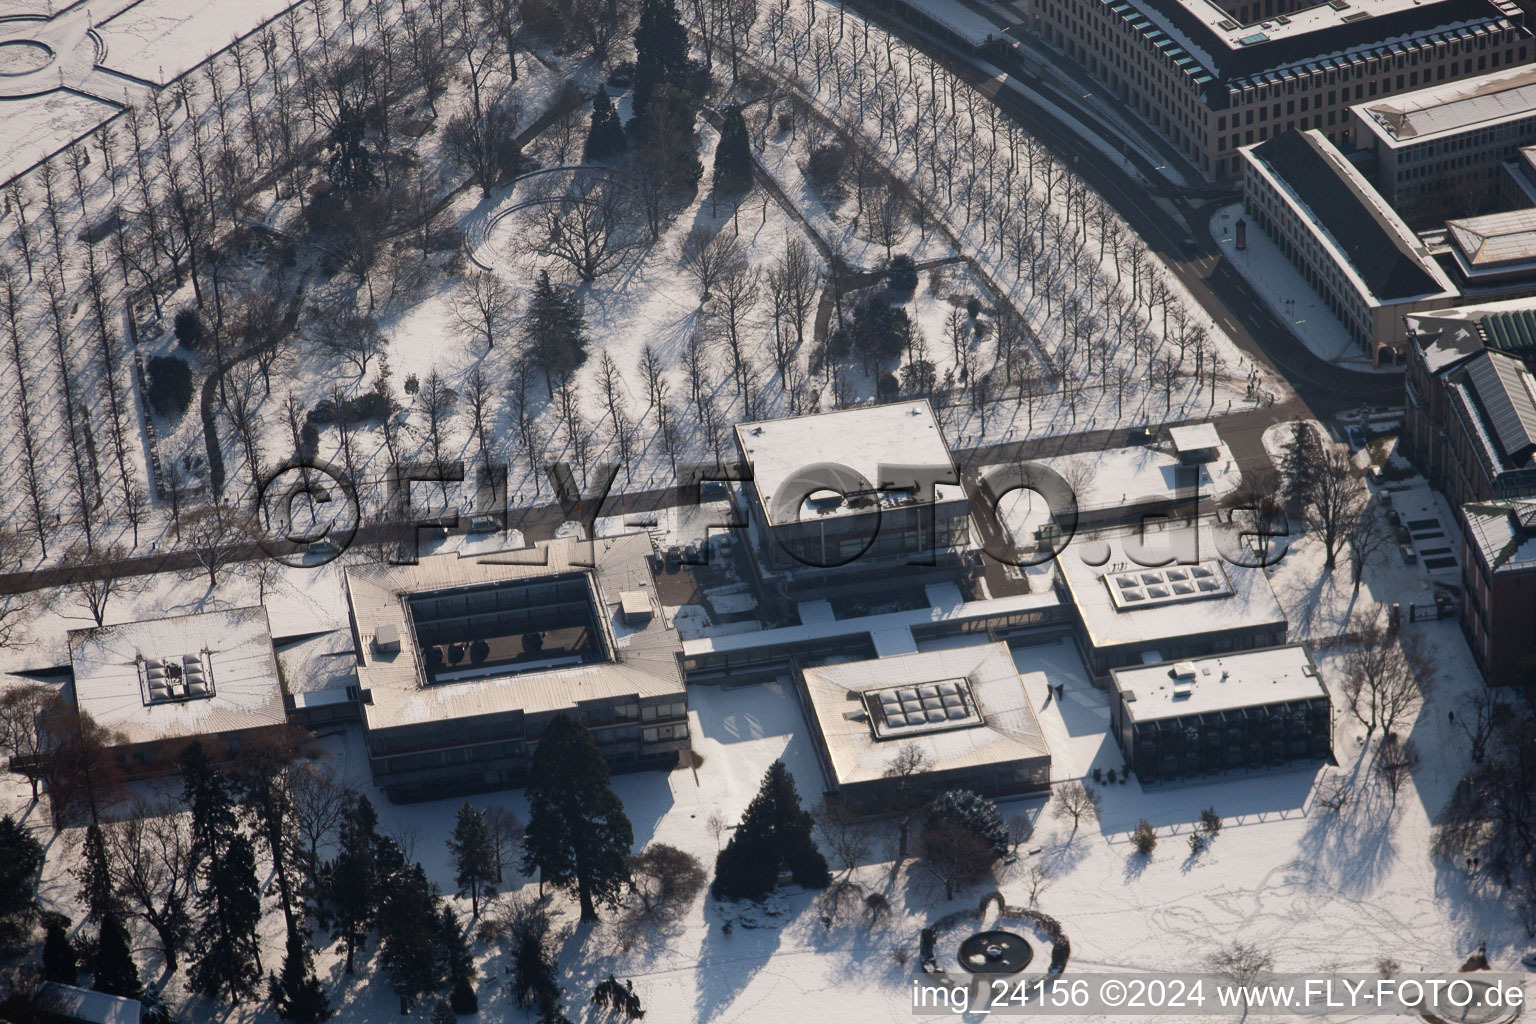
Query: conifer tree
[[60, 962], [555, 331], [297, 995], [775, 833], [20, 857], [661, 52], [606, 136], [226, 954], [474, 856], [458, 964], [409, 927], [357, 876], [95, 876], [733, 155], [578, 837], [115, 972]]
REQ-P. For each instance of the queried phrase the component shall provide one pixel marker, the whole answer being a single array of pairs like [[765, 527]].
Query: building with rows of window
[[462, 662], [1439, 152], [1348, 244], [1216, 77]]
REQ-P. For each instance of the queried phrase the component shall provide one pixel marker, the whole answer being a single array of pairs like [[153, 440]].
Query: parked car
[[1529, 961], [1357, 437], [1409, 555], [1189, 245]]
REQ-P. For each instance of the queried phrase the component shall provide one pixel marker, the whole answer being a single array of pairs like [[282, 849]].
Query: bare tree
[[951, 855], [1479, 715], [1385, 677], [1335, 501], [1242, 963], [665, 881], [656, 386], [908, 791], [483, 308], [21, 732], [319, 804], [217, 541], [93, 580], [1395, 762], [590, 231], [352, 336], [506, 836], [1369, 537], [730, 312], [436, 400], [150, 858], [708, 255], [1038, 880], [1076, 800], [846, 837], [794, 281]]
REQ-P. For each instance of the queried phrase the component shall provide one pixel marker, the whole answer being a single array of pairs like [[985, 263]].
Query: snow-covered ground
[[1319, 889]]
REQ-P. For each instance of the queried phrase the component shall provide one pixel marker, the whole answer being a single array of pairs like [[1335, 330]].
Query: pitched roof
[[1367, 233], [1495, 238], [1506, 394]]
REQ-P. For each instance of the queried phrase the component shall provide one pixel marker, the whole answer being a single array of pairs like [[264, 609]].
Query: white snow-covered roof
[[999, 725], [87, 1006], [644, 659], [870, 445], [1448, 108], [1505, 532], [231, 650], [1194, 437], [1245, 599], [1226, 682]]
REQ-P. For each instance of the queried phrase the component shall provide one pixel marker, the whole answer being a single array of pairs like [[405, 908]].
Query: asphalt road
[[1227, 297]]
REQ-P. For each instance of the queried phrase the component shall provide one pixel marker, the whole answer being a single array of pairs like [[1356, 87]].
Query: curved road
[[1218, 287]]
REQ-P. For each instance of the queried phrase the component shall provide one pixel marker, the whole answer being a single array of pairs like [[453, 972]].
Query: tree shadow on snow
[[728, 962]]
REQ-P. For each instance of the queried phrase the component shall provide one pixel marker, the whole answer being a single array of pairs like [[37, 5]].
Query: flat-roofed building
[[1216, 77], [839, 496], [1228, 712], [965, 708], [160, 684], [463, 661], [1498, 608], [1167, 595], [1348, 244], [1440, 150]]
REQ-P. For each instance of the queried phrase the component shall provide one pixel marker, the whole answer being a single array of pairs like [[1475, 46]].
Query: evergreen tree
[[1299, 461], [474, 856], [733, 155], [775, 832], [60, 962], [578, 837], [555, 330], [95, 876], [409, 928], [20, 857], [115, 972], [661, 52], [226, 951], [297, 995], [534, 982], [974, 814], [606, 136], [351, 164], [458, 963], [356, 877]]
